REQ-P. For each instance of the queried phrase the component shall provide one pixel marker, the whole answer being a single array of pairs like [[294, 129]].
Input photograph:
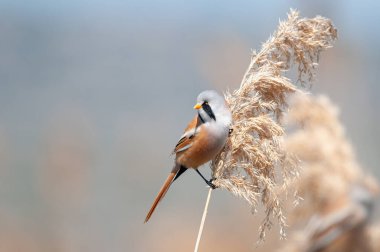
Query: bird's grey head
[[212, 107]]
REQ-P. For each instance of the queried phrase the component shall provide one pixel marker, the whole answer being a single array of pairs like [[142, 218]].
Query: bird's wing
[[187, 138]]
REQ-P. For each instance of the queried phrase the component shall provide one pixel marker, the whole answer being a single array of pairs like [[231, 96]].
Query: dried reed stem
[[203, 221], [254, 165]]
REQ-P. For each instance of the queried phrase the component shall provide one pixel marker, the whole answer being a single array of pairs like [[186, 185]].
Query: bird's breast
[[207, 144]]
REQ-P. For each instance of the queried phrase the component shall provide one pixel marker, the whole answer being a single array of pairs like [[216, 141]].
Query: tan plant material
[[338, 196], [254, 164], [203, 220], [374, 236]]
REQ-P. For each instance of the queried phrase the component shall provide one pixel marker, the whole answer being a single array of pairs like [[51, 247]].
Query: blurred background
[[94, 95]]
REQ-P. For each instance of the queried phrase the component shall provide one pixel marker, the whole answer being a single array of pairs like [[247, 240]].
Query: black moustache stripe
[[200, 117], [208, 110]]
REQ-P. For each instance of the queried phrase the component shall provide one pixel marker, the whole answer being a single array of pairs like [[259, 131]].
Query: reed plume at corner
[[254, 165], [339, 196]]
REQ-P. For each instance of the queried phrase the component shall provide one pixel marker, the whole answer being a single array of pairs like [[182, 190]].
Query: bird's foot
[[230, 131], [210, 184]]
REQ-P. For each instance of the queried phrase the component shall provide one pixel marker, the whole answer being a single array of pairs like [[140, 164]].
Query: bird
[[203, 138]]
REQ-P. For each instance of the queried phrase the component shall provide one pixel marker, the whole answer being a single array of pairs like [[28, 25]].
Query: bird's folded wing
[[185, 142], [188, 137]]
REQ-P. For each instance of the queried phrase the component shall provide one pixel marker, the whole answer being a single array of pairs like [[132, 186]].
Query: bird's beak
[[198, 106]]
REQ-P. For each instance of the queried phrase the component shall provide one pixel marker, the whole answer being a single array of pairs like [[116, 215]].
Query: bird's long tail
[[160, 195], [177, 170]]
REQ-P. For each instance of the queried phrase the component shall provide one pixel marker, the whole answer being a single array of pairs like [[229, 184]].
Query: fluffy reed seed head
[[330, 170], [253, 164], [338, 196]]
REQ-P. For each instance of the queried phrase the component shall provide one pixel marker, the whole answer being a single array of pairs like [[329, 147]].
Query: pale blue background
[[116, 81]]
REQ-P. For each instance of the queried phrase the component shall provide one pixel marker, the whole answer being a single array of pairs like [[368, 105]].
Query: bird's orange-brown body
[[202, 140], [202, 147]]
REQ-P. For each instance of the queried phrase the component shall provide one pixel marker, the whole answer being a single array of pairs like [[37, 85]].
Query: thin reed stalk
[[203, 221]]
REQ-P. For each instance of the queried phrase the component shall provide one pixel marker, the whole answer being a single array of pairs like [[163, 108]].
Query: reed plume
[[338, 195], [254, 165]]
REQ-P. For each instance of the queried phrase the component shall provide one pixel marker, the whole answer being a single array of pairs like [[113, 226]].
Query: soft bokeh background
[[94, 94]]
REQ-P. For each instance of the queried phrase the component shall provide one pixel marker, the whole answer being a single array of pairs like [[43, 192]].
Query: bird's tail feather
[[162, 191]]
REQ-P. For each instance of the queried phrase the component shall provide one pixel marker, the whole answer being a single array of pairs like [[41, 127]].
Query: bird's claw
[[230, 131], [211, 184]]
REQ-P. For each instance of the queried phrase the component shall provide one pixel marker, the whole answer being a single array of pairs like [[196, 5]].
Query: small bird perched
[[204, 138]]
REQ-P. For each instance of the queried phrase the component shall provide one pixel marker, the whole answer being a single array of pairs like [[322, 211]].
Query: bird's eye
[[205, 102]]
